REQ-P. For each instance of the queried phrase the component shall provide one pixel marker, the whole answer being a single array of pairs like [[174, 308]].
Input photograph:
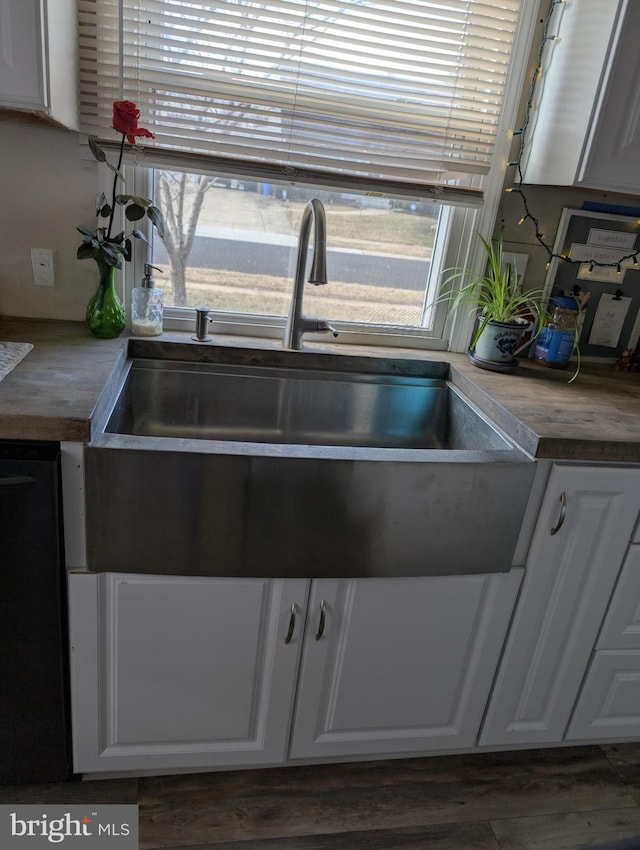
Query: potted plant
[[105, 311], [505, 311]]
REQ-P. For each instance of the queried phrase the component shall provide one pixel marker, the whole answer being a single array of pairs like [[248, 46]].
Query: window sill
[[270, 329]]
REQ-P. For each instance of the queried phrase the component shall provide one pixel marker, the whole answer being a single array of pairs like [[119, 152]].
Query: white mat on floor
[[11, 353]]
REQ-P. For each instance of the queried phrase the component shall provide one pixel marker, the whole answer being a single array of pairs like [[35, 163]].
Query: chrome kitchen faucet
[[297, 323]]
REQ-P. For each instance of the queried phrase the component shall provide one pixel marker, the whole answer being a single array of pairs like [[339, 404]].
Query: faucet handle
[[323, 327]]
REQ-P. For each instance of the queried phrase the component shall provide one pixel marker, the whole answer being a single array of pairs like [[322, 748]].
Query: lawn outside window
[[243, 255]]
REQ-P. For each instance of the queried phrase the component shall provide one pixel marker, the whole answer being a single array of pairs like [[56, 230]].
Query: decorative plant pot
[[499, 342], [106, 315]]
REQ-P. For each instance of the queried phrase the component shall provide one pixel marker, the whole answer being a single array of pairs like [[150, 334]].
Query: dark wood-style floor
[[558, 799]]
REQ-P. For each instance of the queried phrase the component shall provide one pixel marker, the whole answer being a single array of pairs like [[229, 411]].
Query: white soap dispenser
[[146, 305]]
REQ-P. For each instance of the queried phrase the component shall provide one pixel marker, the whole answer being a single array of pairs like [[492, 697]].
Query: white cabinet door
[[612, 154], [569, 91], [38, 58], [586, 117], [569, 579], [22, 53], [609, 705], [172, 672], [399, 665], [621, 629]]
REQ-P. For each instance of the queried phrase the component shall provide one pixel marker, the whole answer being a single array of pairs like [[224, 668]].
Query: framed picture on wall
[[599, 253]]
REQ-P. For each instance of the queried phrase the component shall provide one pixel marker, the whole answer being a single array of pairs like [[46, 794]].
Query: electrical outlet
[[42, 263]]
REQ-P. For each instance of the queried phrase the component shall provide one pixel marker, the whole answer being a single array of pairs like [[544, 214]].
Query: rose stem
[[115, 183]]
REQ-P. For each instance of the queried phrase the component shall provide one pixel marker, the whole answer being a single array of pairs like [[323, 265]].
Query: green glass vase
[[106, 315]]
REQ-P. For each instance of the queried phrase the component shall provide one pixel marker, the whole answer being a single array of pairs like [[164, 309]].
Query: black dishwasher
[[34, 710]]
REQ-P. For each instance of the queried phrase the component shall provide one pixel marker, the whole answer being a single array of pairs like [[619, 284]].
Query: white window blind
[[406, 92]]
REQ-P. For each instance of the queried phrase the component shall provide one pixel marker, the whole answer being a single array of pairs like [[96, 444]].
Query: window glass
[[232, 245]]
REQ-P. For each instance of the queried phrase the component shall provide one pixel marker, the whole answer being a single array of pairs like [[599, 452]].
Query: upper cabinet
[[585, 122], [38, 58]]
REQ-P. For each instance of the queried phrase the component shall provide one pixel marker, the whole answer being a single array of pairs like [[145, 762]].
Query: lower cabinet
[[177, 673], [172, 672], [586, 521], [609, 703], [393, 666]]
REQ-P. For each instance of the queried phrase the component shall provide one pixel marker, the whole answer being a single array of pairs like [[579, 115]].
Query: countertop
[[59, 390], [55, 391]]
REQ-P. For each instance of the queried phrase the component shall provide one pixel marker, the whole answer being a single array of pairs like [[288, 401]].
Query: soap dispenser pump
[[146, 305]]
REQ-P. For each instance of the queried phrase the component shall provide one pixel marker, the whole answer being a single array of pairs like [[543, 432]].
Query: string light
[[517, 163]]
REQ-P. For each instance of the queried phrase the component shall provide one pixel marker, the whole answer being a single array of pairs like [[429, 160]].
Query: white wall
[[46, 190]]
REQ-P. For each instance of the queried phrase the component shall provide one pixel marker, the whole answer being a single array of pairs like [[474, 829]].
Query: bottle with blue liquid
[[556, 341]]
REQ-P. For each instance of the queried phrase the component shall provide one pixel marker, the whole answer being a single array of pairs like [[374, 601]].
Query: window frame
[[463, 247], [458, 220]]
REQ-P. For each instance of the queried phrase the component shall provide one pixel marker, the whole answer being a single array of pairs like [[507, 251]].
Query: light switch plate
[[42, 263]]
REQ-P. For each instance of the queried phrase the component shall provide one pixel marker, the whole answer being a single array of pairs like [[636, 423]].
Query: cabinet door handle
[[292, 623], [11, 480], [563, 512], [322, 620]]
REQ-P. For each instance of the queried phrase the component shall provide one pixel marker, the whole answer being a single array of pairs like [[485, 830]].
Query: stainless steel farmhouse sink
[[237, 462], [263, 404]]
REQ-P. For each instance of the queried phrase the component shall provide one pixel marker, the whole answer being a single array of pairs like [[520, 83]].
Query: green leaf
[[119, 238], [97, 151], [134, 212], [127, 250], [86, 232], [101, 200], [84, 251], [115, 170], [124, 199], [157, 220], [106, 249], [112, 258], [113, 246], [116, 263], [140, 235]]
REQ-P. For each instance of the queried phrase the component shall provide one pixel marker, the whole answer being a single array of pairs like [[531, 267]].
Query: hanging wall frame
[[602, 250]]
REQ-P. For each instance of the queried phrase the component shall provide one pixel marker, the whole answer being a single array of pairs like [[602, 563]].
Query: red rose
[[125, 121]]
